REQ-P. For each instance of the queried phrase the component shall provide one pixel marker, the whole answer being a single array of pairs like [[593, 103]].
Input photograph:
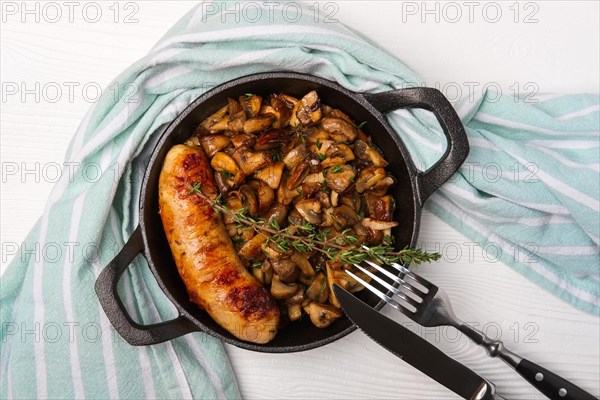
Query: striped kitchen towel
[[530, 187]]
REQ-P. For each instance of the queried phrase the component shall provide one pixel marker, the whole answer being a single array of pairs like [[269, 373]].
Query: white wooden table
[[532, 48]]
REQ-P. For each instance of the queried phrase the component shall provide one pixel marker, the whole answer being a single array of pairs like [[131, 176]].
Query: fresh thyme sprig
[[344, 247]]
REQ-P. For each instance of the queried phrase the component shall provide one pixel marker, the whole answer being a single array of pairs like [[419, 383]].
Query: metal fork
[[428, 305]]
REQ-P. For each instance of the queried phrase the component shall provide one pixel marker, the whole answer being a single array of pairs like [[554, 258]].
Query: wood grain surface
[[558, 53]]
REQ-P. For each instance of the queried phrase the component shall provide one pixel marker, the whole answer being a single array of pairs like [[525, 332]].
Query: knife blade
[[415, 350]]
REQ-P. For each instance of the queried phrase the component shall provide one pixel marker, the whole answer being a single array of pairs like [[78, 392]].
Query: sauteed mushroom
[[304, 168]]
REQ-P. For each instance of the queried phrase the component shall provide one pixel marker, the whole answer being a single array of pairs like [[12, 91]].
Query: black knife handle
[[550, 384]]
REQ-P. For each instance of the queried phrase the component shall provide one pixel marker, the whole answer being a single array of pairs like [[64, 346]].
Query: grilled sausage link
[[205, 256]]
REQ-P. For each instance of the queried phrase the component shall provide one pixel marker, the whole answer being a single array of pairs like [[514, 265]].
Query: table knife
[[415, 350]]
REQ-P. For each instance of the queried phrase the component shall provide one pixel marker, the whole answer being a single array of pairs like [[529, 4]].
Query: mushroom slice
[[339, 129], [271, 175], [338, 154], [282, 110], [250, 161], [252, 249], [220, 125], [309, 112], [285, 269], [295, 156], [343, 217], [339, 177], [280, 290], [310, 209], [310, 189], [321, 146], [314, 178], [322, 315], [249, 199], [237, 121], [223, 162], [264, 194], [294, 312], [211, 120], [251, 105], [211, 144], [297, 175], [301, 261], [233, 107], [284, 195], [257, 124], [317, 291], [331, 266], [290, 100], [316, 133], [367, 153], [378, 225], [277, 212], [368, 177], [270, 139], [244, 139], [298, 298]]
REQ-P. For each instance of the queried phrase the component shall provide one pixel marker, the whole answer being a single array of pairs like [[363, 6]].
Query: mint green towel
[[56, 341]]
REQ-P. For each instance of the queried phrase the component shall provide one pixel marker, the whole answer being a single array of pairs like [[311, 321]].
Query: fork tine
[[379, 294], [396, 279], [397, 292], [422, 281]]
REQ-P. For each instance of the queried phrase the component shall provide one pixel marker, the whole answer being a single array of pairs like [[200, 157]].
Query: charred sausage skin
[[206, 259]]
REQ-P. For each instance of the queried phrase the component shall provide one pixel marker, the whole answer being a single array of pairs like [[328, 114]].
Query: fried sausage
[[212, 272]]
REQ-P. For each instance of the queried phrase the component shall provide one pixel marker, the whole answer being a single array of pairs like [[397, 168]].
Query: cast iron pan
[[411, 191]]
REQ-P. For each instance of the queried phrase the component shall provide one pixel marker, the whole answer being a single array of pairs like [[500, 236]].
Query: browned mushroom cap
[[368, 177], [236, 121], [339, 129], [317, 291], [297, 298], [310, 209], [295, 156], [270, 139], [379, 207], [277, 212], [339, 177], [285, 269], [264, 194], [310, 189], [316, 133], [271, 175], [250, 161], [252, 249], [343, 217], [211, 144], [282, 111], [244, 139], [339, 153], [251, 105], [280, 290], [322, 315], [258, 124], [308, 110], [369, 154], [297, 175]]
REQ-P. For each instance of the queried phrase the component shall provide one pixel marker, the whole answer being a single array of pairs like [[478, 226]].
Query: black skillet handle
[[106, 289], [551, 385], [432, 100]]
